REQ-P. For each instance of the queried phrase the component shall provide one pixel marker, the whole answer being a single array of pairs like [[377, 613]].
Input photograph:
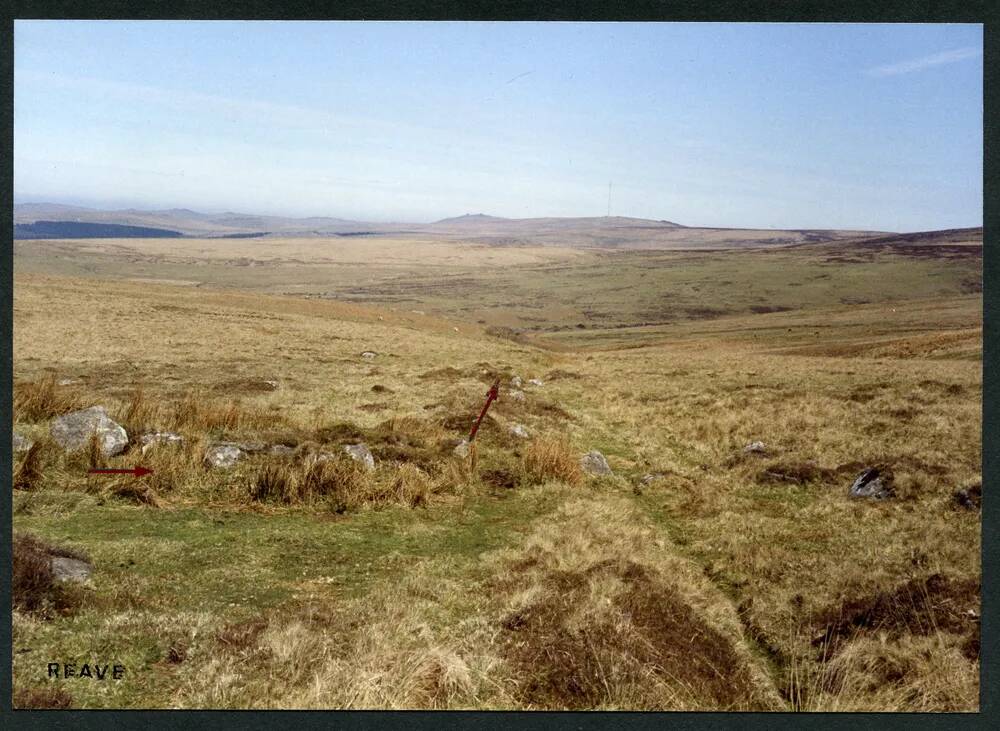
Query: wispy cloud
[[925, 62]]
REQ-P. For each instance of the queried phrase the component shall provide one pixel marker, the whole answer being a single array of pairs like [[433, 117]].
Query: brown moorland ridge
[[616, 232]]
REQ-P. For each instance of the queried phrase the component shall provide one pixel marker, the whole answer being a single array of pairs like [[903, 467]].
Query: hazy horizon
[[831, 126]]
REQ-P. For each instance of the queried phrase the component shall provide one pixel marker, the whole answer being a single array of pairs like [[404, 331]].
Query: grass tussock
[[921, 606], [915, 674], [44, 399], [593, 623], [28, 470], [338, 480], [342, 482], [551, 458], [34, 587], [410, 486], [141, 413], [200, 413]]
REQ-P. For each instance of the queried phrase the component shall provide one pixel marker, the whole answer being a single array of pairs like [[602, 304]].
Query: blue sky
[[753, 125]]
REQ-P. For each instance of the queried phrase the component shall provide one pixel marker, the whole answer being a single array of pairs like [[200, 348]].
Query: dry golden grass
[[601, 613], [551, 458], [339, 480], [737, 559], [44, 399], [593, 610]]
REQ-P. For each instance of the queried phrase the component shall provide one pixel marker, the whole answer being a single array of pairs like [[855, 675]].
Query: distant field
[[560, 294]]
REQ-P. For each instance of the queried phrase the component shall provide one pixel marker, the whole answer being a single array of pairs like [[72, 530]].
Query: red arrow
[[491, 396], [137, 471]]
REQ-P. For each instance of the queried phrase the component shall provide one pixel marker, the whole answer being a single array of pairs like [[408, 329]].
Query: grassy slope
[[573, 297], [441, 606]]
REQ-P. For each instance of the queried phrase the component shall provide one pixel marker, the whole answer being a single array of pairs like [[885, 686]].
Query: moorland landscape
[[728, 469]]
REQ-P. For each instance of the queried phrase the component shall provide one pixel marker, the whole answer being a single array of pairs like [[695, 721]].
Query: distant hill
[[470, 218], [606, 232]]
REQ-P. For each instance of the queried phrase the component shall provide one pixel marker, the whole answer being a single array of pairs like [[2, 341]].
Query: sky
[[705, 124]]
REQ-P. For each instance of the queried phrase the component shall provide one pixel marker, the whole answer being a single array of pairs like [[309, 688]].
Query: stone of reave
[[462, 448], [534, 382], [223, 455], [369, 354], [150, 440], [20, 443], [72, 431], [873, 483], [594, 463], [755, 448], [515, 395], [515, 382], [360, 453], [65, 568], [518, 430], [970, 498]]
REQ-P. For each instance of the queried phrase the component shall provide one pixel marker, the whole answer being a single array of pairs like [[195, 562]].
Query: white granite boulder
[[594, 463], [73, 431], [361, 453]]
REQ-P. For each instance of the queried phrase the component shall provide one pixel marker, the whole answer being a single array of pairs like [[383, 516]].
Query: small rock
[[518, 430], [223, 455], [515, 382], [250, 447], [594, 463], [273, 385], [281, 450], [970, 498], [755, 448], [72, 431], [534, 382], [650, 477], [369, 355], [20, 443], [874, 483], [68, 382], [360, 453], [65, 568], [515, 395], [150, 440], [462, 448], [455, 329]]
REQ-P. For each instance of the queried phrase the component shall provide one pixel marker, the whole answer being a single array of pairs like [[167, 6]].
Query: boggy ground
[[729, 580]]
